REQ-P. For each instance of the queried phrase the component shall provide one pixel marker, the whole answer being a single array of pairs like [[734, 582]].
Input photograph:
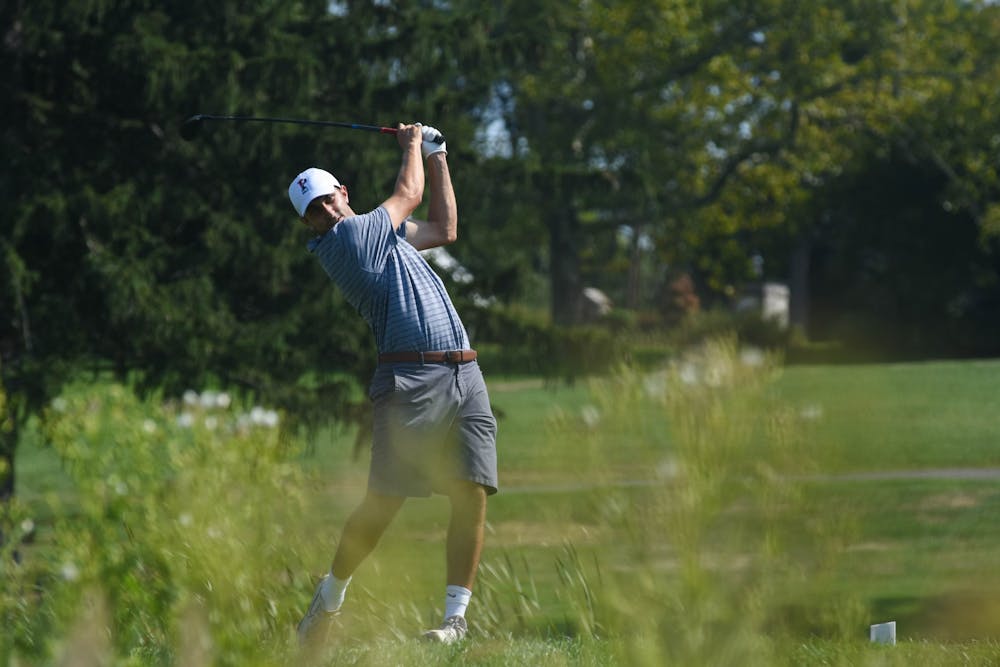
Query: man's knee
[[467, 497], [376, 511], [463, 488]]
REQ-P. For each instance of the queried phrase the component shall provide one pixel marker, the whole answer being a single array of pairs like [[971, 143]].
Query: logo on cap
[[304, 184]]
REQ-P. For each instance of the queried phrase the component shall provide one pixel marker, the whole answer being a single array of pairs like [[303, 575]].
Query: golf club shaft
[[190, 127], [298, 121]]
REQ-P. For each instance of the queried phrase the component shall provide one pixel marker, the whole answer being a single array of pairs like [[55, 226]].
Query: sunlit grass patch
[[860, 653], [488, 652], [899, 416]]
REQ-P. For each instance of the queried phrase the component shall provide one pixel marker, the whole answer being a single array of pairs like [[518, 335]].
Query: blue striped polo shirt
[[390, 284]]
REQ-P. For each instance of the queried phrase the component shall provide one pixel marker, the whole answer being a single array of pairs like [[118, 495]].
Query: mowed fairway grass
[[912, 453], [767, 524]]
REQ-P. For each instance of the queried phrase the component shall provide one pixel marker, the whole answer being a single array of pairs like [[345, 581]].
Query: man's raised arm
[[441, 226], [409, 189]]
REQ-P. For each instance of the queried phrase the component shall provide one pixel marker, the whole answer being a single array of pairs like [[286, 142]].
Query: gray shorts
[[432, 424]]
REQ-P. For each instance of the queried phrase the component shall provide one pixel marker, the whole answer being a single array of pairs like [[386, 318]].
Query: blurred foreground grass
[[698, 515]]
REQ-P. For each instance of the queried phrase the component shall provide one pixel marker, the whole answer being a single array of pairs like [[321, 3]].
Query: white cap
[[308, 185]]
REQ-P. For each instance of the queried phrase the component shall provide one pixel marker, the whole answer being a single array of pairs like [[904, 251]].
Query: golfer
[[434, 431]]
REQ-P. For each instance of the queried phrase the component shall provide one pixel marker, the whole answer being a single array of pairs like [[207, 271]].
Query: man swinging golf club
[[434, 431]]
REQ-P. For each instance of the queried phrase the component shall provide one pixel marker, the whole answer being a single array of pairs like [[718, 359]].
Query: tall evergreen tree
[[176, 264]]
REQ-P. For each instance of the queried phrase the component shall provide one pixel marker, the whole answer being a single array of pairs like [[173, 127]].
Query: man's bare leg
[[465, 532], [465, 544], [362, 531]]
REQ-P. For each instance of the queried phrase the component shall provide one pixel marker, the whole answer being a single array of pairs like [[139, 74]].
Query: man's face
[[324, 212]]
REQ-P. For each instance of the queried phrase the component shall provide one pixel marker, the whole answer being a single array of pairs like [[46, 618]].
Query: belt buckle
[[449, 356]]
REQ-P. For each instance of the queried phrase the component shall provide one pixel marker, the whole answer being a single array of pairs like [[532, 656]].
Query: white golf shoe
[[315, 625], [452, 630]]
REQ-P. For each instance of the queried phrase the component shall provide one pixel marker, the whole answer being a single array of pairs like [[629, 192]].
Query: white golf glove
[[428, 147]]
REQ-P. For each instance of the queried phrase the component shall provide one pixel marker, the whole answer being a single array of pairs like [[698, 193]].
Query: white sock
[[333, 592], [456, 599]]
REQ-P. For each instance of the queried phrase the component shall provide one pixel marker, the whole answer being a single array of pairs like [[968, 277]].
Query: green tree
[[916, 210], [128, 250], [715, 128], [644, 115], [180, 265]]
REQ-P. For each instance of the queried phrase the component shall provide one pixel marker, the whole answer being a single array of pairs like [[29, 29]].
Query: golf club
[[190, 128]]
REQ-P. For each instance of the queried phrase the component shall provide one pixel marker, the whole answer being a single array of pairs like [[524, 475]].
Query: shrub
[[518, 342], [183, 536], [706, 556], [749, 329]]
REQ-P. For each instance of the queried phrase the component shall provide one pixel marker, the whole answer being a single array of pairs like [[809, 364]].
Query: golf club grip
[[438, 139]]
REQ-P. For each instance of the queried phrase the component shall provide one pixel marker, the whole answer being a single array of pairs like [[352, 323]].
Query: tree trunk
[[8, 441], [564, 264], [799, 285], [634, 293]]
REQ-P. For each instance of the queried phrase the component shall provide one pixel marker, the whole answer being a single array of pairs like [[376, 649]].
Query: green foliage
[[736, 132], [7, 437], [175, 530], [181, 263], [519, 342], [733, 132], [895, 281], [750, 328], [680, 517], [713, 544]]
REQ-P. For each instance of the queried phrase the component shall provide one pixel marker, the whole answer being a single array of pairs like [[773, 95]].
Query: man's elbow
[[451, 225], [413, 198], [409, 194]]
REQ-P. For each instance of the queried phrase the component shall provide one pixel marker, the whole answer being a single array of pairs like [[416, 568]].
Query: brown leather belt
[[446, 357]]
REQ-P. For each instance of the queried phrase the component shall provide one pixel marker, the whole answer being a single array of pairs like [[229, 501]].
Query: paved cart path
[[986, 474]]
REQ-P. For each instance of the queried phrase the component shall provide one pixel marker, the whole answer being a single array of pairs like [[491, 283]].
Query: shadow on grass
[[954, 616]]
